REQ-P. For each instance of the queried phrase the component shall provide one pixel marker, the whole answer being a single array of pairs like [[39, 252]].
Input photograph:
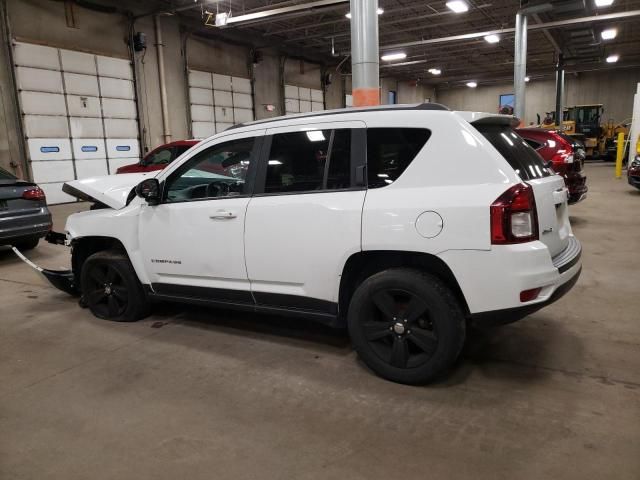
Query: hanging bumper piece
[[61, 279]]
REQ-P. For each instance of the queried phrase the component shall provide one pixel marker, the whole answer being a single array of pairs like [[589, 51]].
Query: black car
[[24, 216]]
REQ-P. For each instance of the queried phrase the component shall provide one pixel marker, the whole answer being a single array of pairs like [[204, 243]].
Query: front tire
[[111, 289], [406, 325]]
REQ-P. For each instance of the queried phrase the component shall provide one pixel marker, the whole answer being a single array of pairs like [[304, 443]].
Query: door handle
[[222, 215]]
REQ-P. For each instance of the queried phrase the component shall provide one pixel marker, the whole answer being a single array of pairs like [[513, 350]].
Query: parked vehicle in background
[[566, 154], [24, 216], [160, 157], [633, 173], [351, 217]]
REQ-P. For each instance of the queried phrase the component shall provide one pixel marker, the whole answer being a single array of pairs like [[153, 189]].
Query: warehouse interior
[[90, 86]]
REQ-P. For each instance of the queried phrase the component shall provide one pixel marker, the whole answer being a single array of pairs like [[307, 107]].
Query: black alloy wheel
[[107, 294], [406, 325]]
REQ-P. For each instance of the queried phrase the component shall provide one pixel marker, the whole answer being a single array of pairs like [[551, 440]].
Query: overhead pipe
[[520, 65], [166, 127], [559, 90], [365, 66]]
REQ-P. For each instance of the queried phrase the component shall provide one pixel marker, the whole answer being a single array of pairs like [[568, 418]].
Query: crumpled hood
[[112, 190]]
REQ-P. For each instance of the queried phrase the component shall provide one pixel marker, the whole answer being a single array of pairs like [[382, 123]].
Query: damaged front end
[[61, 279]]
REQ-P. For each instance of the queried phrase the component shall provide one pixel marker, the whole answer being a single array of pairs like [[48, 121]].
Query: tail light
[[564, 153], [513, 216], [34, 193]]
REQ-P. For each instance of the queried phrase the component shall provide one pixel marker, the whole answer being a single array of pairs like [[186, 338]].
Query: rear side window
[[527, 163], [390, 151], [307, 161], [535, 145]]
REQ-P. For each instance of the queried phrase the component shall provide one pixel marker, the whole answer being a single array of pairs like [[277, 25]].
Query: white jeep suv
[[402, 223]]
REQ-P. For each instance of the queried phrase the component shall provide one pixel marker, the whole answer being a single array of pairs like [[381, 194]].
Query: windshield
[[526, 162]]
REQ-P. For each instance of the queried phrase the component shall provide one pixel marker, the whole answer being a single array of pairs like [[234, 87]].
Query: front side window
[[218, 171], [390, 151], [309, 161], [161, 157]]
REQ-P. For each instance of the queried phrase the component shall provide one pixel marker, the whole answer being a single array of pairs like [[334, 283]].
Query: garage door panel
[[201, 96], [221, 82], [49, 148], [79, 84], [85, 127], [291, 105], [316, 95], [317, 106], [39, 80], [39, 103], [242, 100], [221, 127], [203, 129], [118, 108], [42, 126], [123, 148], [201, 113], [114, 67], [38, 56], [200, 79], [54, 193], [52, 171], [242, 115], [116, 163], [291, 91], [224, 115], [120, 128], [83, 106], [91, 168], [78, 62], [305, 106], [116, 88], [86, 148], [241, 85], [223, 99], [305, 94]]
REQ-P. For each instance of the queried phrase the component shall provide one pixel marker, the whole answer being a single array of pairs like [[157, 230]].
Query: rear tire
[[406, 325], [111, 289]]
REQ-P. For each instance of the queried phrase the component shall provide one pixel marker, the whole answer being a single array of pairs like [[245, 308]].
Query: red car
[[566, 156], [160, 157]]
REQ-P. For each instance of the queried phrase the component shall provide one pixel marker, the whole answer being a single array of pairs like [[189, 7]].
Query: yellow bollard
[[619, 155]]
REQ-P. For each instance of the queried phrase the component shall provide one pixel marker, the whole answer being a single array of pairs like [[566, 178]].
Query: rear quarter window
[[390, 151], [526, 162]]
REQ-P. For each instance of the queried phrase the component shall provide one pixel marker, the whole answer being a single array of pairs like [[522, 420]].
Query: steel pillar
[[365, 64]]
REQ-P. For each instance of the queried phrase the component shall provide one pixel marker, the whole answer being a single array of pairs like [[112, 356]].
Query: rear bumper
[[491, 281], [24, 226]]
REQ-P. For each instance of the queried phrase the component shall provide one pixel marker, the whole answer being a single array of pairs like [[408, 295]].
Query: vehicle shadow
[[575, 221]]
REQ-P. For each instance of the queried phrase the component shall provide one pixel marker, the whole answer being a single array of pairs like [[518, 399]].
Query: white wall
[[614, 89]]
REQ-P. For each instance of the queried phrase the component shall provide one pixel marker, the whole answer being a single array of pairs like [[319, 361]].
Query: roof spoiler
[[505, 120]]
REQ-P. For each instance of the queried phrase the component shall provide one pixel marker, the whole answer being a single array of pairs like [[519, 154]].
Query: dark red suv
[[160, 157], [566, 155]]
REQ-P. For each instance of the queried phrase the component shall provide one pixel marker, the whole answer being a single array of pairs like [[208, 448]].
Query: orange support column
[[366, 97]]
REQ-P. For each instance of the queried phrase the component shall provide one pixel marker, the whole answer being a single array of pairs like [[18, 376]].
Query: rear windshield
[[4, 175], [527, 163]]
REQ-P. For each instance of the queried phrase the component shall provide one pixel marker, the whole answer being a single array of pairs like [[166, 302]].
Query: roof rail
[[379, 108]]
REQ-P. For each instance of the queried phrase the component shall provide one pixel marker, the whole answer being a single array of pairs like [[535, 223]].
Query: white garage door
[[217, 102], [79, 114], [301, 100]]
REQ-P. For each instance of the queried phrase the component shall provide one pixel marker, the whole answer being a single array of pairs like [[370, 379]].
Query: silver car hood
[[111, 190]]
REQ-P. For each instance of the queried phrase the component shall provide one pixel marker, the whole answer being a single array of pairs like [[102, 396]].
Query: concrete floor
[[204, 394]]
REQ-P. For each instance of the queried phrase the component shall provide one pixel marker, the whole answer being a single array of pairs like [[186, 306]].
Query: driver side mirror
[[149, 189]]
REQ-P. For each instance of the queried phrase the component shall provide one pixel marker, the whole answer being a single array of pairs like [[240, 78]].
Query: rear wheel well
[[362, 265], [84, 247]]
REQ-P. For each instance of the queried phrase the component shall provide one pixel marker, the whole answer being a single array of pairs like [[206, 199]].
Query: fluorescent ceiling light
[[275, 162], [609, 34], [526, 79], [379, 11], [492, 38], [613, 58], [315, 135], [459, 6], [393, 56], [472, 84], [604, 3], [221, 19], [435, 71]]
